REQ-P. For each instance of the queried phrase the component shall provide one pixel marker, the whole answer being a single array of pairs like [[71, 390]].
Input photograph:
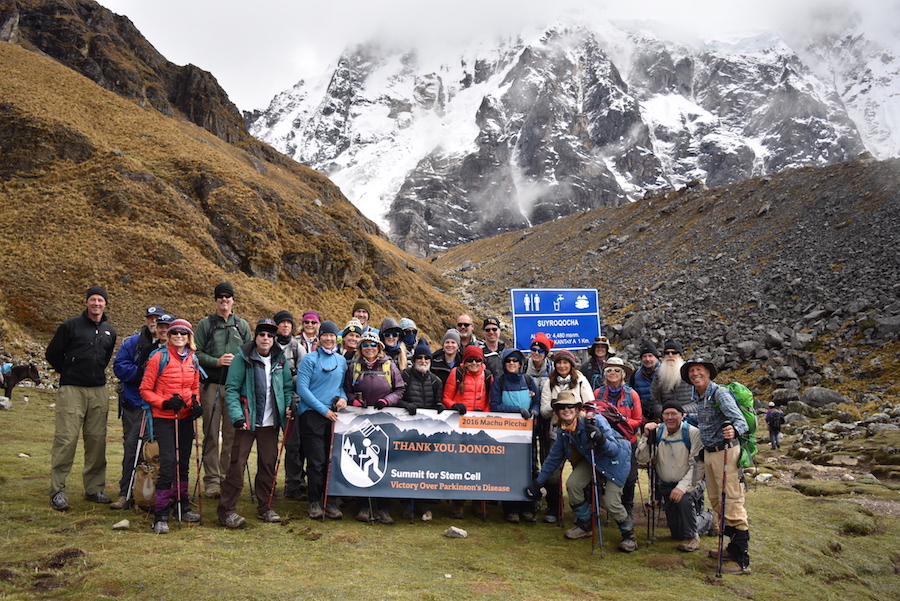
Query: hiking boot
[[714, 553], [97, 497], [59, 502], [733, 567], [384, 517], [527, 516], [690, 545], [407, 513], [270, 517], [213, 491], [427, 517], [512, 518], [363, 515], [191, 517], [629, 542], [315, 511], [121, 503], [550, 518], [161, 527], [232, 520], [332, 512], [293, 494], [579, 530]]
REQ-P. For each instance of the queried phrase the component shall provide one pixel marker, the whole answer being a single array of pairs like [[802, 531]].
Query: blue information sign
[[570, 317]]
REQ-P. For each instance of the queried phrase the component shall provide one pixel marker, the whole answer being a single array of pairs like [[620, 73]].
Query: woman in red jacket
[[171, 386]]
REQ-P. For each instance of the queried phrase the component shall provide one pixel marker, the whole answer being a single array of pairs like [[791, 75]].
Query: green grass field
[[805, 548]]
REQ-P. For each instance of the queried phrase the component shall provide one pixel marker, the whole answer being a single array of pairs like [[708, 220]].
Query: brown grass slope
[[772, 250], [97, 189]]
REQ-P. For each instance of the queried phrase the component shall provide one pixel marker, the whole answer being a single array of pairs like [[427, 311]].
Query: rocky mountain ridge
[[505, 135]]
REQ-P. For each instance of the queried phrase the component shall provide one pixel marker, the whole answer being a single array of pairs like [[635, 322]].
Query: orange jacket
[[476, 393], [180, 376]]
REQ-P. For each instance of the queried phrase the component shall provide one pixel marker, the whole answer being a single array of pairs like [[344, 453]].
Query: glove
[[410, 408], [175, 403], [459, 408], [239, 424], [595, 436], [526, 414], [439, 408], [533, 491], [358, 403], [380, 404], [196, 410]]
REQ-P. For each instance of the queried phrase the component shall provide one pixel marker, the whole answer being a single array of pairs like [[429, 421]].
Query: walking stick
[[137, 455], [722, 515], [177, 471], [288, 429], [595, 506], [199, 497]]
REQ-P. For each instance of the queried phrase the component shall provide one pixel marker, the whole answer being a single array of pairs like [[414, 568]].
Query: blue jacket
[[518, 391], [126, 368], [613, 458], [320, 378]]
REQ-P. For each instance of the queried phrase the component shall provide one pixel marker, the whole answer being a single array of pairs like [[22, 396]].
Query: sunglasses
[[220, 296], [392, 335], [422, 357], [178, 333], [266, 334], [538, 350], [369, 345], [512, 360], [473, 360], [614, 370], [492, 329], [308, 322], [671, 353], [460, 324]]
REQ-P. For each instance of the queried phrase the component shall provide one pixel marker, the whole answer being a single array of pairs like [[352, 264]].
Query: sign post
[[570, 317]]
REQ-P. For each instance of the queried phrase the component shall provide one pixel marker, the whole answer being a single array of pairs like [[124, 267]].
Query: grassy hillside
[[97, 189]]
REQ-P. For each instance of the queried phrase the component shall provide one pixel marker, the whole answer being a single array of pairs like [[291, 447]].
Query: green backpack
[[748, 441]]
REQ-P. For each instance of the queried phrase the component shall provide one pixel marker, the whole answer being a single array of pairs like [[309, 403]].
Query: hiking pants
[[580, 479], [315, 435], [735, 513], [216, 456], [266, 456], [131, 430], [82, 410], [686, 519]]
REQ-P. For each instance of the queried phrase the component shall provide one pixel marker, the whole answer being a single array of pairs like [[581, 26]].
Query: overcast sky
[[258, 49]]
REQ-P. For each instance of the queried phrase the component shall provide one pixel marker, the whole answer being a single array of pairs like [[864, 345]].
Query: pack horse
[[13, 374]]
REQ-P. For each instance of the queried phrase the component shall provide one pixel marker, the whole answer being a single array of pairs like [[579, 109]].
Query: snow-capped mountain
[[499, 136]]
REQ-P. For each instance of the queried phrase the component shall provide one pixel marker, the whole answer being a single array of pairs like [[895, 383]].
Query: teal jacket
[[240, 388]]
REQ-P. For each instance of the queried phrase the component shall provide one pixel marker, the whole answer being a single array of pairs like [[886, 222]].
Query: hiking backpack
[[745, 403]]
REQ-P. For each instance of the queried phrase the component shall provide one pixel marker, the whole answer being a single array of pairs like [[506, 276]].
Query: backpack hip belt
[[722, 446]]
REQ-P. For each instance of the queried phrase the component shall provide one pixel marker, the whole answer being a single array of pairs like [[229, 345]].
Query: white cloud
[[258, 49]]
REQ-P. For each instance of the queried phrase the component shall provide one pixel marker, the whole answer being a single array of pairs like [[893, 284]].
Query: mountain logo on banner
[[364, 455]]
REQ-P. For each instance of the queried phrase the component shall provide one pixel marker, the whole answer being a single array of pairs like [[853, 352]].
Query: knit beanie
[[224, 288], [648, 347], [673, 404], [328, 327], [452, 334], [181, 324], [422, 348], [472, 351], [407, 324], [354, 325], [362, 304], [97, 290], [283, 316], [673, 345]]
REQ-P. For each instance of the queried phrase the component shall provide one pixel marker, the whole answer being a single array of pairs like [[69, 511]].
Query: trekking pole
[[177, 471], [198, 496], [722, 515], [245, 404], [595, 505], [288, 429], [137, 455]]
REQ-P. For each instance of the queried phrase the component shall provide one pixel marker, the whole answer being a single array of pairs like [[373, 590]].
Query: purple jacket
[[370, 384]]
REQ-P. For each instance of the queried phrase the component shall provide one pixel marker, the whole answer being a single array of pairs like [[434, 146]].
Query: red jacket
[[476, 393], [629, 409], [179, 376]]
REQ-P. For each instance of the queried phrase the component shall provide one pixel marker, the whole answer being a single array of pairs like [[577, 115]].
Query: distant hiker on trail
[[676, 446], [79, 352], [565, 376], [218, 337], [320, 386], [599, 351], [128, 366], [721, 423], [642, 379], [171, 386], [258, 393], [668, 384], [774, 419], [582, 440]]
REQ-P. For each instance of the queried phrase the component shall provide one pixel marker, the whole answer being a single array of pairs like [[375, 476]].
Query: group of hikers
[[231, 386]]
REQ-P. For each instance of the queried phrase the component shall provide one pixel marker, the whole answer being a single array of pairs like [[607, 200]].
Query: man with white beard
[[668, 385]]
